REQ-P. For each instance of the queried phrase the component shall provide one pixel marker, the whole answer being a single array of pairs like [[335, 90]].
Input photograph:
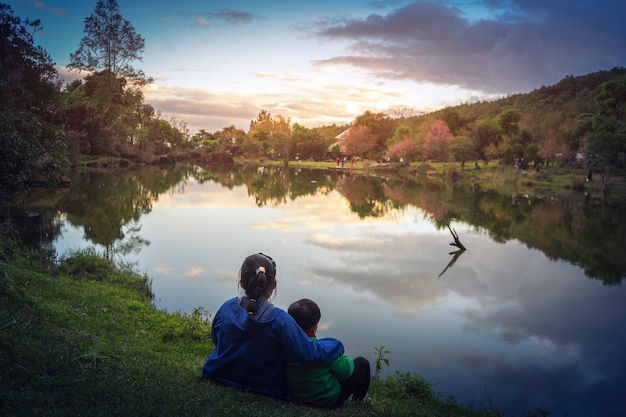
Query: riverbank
[[553, 181], [81, 336]]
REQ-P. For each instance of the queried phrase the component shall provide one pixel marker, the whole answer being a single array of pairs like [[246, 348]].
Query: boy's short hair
[[306, 313]]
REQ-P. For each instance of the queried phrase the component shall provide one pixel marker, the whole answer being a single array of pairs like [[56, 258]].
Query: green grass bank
[[81, 336]]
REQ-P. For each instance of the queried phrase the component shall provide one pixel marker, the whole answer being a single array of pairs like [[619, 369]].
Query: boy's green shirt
[[318, 384]]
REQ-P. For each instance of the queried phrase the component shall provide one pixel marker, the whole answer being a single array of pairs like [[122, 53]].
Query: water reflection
[[520, 318]]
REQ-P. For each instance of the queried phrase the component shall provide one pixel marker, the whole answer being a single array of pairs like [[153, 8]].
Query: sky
[[218, 63]]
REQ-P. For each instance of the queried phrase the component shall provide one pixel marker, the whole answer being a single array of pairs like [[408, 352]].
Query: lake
[[530, 316]]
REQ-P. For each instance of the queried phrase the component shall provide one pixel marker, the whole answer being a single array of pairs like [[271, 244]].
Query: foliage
[[309, 143], [359, 141], [194, 326], [438, 142], [464, 150], [380, 359], [608, 139], [11, 248], [508, 121], [408, 384], [28, 102], [485, 135], [273, 136], [380, 126], [407, 149], [110, 44], [453, 119], [91, 266]]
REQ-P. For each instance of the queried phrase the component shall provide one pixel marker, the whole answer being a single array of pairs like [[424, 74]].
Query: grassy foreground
[[81, 337]]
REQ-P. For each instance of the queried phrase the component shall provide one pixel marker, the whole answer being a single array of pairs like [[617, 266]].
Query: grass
[[81, 336]]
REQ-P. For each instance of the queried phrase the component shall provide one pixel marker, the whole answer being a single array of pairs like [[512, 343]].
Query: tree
[[380, 128], [549, 148], [401, 133], [531, 153], [110, 44], [230, 138], [438, 141], [453, 119], [309, 143], [104, 111], [108, 111], [508, 121], [272, 134], [359, 141], [485, 135], [464, 150], [406, 149], [29, 139], [403, 144], [608, 140]]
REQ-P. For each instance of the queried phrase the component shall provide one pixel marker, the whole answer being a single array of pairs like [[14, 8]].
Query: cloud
[[515, 50], [306, 101], [53, 10], [230, 17], [234, 17], [194, 270], [165, 270]]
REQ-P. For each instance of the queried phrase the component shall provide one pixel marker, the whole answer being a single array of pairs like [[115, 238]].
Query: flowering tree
[[359, 141], [405, 149], [438, 141]]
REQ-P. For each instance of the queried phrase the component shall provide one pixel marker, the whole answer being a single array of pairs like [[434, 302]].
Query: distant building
[[337, 148]]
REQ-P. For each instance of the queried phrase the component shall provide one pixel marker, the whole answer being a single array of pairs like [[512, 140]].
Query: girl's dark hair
[[306, 313], [257, 274]]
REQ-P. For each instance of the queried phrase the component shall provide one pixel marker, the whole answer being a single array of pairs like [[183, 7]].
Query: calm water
[[531, 315]]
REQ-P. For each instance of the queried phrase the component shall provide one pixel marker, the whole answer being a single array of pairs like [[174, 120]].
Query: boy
[[327, 385]]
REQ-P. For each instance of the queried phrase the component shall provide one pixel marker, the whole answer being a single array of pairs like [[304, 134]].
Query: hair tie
[[260, 269]]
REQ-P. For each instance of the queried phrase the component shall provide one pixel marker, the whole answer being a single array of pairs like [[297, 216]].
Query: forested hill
[[567, 99], [583, 114]]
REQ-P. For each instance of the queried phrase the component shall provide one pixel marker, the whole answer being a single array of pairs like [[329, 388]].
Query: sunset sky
[[219, 63]]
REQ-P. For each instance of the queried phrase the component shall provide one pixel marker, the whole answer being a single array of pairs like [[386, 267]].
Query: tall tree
[[438, 141], [107, 51], [110, 43], [273, 134], [608, 139]]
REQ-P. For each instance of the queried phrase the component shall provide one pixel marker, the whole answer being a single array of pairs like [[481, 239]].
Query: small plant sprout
[[380, 359]]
